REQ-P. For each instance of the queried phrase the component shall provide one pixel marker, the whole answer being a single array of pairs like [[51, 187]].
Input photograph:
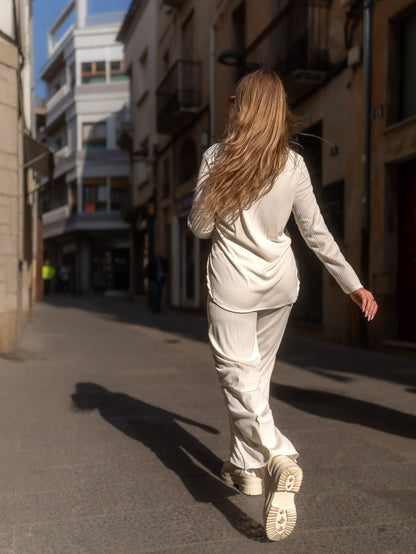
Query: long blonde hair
[[255, 147]]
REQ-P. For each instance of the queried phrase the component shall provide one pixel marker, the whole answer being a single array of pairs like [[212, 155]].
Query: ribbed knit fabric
[[251, 265], [244, 347]]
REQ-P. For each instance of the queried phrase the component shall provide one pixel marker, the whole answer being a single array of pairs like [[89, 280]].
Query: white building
[[83, 228]]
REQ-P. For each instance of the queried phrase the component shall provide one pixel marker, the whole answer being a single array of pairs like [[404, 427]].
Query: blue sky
[[44, 14]]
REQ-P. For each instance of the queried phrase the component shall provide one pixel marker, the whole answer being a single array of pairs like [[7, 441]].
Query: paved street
[[113, 431]]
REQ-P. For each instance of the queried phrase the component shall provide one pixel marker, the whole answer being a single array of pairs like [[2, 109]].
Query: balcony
[[178, 97], [64, 161], [54, 221], [295, 45], [60, 221], [57, 97], [57, 106]]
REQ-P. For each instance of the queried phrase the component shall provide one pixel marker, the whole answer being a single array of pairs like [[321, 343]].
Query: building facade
[[139, 134], [183, 123], [88, 91], [304, 42], [348, 72], [20, 156], [169, 71], [392, 180]]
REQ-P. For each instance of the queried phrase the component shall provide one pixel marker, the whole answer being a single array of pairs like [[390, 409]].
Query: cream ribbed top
[[251, 265]]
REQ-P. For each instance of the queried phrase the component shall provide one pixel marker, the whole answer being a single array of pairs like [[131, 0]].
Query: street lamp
[[230, 57]]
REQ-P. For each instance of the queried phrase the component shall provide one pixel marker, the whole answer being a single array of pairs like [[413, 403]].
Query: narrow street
[[113, 431]]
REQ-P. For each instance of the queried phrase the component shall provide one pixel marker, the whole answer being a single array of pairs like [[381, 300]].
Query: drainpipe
[[366, 152]]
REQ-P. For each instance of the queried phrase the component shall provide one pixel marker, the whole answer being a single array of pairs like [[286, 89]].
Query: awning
[[38, 156]]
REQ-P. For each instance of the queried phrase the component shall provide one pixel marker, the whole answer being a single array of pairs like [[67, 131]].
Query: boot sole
[[250, 489], [281, 517]]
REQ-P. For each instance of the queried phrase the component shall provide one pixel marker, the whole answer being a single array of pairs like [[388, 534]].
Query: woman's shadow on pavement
[[158, 429]]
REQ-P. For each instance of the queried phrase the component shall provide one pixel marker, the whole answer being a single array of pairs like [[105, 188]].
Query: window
[[278, 6], [408, 69], [166, 61], [142, 75], [94, 136], [73, 199], [117, 71], [165, 178], [92, 72], [119, 191], [401, 83], [143, 169], [72, 75], [95, 195]]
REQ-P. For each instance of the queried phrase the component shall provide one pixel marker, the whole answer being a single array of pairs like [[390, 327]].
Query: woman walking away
[[247, 188]]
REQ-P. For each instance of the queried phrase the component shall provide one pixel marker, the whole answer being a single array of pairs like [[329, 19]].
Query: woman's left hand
[[365, 300]]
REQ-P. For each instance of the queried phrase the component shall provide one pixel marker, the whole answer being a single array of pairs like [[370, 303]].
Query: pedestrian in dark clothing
[[157, 270]]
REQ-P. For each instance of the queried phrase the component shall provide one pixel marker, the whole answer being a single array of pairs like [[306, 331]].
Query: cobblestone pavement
[[113, 430]]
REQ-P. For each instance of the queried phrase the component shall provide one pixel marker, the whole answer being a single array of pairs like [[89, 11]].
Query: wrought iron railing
[[296, 39], [179, 93]]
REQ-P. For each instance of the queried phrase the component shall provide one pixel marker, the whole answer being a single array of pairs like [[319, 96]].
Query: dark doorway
[[110, 265], [308, 309], [407, 251]]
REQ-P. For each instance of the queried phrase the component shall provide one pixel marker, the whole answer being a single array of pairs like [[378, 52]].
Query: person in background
[[63, 276], [248, 186], [48, 273], [157, 270]]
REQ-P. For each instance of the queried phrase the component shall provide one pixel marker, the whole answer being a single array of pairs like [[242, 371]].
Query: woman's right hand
[[365, 300]]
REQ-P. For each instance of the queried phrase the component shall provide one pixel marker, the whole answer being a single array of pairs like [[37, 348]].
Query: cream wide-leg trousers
[[244, 346]]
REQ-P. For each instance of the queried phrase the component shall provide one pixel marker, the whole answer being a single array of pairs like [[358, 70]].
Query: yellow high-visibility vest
[[48, 272]]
